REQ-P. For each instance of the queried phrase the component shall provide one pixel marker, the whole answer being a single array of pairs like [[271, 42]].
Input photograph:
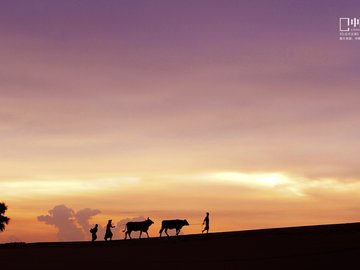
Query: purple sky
[[159, 90]]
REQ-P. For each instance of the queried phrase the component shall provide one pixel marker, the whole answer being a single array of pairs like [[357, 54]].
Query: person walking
[[108, 233], [93, 232], [206, 222]]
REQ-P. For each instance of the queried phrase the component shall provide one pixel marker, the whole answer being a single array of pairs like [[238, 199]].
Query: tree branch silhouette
[[3, 219]]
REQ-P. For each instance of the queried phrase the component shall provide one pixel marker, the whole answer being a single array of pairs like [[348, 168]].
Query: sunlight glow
[[278, 181], [258, 179], [43, 187]]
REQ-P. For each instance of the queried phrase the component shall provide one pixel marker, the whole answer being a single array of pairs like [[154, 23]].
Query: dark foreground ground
[[310, 247]]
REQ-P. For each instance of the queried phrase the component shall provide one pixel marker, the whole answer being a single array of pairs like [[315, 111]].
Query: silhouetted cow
[[173, 224], [141, 226]]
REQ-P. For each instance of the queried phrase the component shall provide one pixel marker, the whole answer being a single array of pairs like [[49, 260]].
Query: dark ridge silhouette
[[142, 226], [310, 247], [3, 219], [173, 224]]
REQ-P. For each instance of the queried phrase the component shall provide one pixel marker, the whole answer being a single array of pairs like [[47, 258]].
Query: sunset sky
[[168, 109]]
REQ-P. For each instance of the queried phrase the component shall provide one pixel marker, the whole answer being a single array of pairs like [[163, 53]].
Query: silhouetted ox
[[141, 226], [173, 224]]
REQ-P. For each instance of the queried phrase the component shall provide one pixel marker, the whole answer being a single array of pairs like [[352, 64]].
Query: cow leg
[[161, 230], [140, 234], [147, 234], [129, 234], [126, 235], [166, 232], [177, 232]]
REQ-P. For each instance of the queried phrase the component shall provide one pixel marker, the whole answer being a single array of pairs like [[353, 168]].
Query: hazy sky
[[168, 109]]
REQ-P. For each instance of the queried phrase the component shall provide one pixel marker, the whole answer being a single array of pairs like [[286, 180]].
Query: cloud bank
[[71, 225]]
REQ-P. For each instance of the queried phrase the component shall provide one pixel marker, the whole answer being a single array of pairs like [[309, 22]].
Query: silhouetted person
[[93, 232], [108, 233], [206, 222]]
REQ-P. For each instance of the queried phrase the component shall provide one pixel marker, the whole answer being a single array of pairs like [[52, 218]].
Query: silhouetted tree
[[3, 219]]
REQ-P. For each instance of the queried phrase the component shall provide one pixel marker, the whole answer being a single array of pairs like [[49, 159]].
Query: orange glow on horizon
[[166, 109]]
